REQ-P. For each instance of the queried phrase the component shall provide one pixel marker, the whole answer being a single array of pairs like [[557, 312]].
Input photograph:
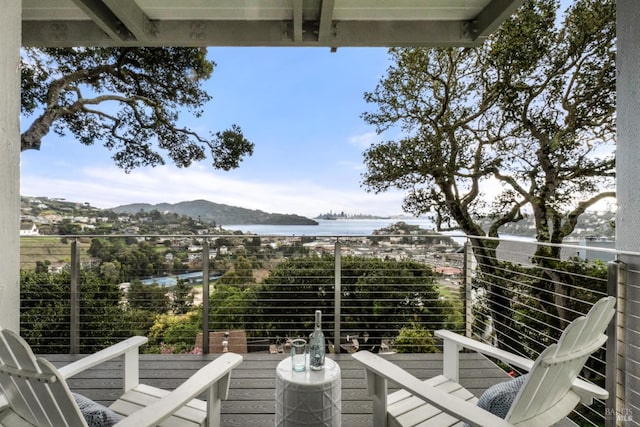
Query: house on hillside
[[28, 229], [449, 272]]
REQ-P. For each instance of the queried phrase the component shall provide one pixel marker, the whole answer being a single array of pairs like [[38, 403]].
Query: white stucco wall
[[10, 22], [628, 141], [627, 411]]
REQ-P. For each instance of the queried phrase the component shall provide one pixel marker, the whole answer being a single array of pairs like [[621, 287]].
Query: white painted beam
[[10, 22], [104, 18], [297, 20], [132, 17], [325, 28], [494, 14], [255, 33]]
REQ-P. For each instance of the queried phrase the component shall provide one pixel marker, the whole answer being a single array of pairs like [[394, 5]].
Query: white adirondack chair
[[34, 393], [549, 393]]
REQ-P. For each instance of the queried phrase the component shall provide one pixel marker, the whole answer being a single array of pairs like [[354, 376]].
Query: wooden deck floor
[[252, 391]]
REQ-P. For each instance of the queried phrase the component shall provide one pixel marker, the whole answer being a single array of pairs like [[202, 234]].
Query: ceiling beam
[[133, 18], [254, 33], [105, 19], [297, 20], [490, 18], [325, 28]]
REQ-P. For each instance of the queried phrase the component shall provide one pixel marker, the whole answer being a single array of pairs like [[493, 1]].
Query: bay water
[[326, 227]]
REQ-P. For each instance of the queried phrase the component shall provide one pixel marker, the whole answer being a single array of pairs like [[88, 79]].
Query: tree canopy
[[524, 124], [130, 100], [379, 297]]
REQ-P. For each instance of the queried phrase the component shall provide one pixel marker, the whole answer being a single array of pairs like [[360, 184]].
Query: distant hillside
[[221, 214], [590, 224]]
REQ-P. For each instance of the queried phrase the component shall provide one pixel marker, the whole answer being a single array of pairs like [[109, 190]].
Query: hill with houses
[[42, 215], [48, 216], [219, 213]]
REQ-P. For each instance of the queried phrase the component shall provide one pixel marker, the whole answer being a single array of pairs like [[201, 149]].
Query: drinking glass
[[299, 355]]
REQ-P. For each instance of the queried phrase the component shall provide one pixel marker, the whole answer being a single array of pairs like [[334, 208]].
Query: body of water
[[325, 227], [349, 227]]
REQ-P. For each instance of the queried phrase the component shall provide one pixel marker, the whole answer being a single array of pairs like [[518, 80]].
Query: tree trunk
[[32, 137]]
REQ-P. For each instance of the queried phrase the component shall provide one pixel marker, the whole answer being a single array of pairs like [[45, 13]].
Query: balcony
[[382, 292]]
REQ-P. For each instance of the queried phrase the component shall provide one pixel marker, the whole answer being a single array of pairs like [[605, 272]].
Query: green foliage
[[547, 308], [151, 298], [100, 313], [231, 307], [181, 298], [151, 89], [414, 339], [134, 259], [111, 271], [241, 274], [45, 312], [533, 108], [138, 321], [379, 297], [66, 226], [535, 303], [177, 332]]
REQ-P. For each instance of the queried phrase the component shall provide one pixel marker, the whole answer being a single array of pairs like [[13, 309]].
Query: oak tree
[[522, 125], [530, 113], [129, 99]]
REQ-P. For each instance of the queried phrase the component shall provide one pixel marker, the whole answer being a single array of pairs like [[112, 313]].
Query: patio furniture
[[236, 341], [34, 393], [308, 398], [548, 394]]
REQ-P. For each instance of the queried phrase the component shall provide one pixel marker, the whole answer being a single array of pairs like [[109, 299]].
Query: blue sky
[[300, 106]]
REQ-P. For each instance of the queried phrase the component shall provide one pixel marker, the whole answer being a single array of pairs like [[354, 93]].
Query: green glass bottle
[[316, 345]]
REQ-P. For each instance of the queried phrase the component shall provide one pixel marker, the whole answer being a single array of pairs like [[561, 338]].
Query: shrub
[[414, 339]]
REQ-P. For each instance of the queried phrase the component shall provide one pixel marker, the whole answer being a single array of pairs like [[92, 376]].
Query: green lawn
[[50, 249]]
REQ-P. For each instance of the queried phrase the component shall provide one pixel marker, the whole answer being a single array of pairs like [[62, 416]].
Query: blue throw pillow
[[95, 414], [498, 398]]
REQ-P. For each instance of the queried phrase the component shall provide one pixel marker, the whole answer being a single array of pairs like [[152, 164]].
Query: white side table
[[309, 398]]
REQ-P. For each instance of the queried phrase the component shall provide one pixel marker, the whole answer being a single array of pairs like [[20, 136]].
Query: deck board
[[252, 391]]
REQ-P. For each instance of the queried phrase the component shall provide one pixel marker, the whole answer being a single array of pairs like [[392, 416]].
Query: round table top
[[330, 372]]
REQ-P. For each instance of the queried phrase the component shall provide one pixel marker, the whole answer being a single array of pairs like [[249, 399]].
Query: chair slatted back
[[33, 387], [546, 394]]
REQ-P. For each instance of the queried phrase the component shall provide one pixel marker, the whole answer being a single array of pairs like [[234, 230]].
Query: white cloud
[[107, 187], [356, 166], [364, 140]]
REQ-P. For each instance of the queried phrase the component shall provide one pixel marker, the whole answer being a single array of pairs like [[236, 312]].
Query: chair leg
[[451, 360], [377, 386], [131, 369], [214, 405]]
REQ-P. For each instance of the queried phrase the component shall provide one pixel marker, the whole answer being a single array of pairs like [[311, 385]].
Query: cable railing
[[382, 293], [524, 298], [377, 292]]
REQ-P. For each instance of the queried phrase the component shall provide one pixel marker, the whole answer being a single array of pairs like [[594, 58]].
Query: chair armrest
[[214, 376], [486, 349], [460, 409], [101, 356], [586, 390]]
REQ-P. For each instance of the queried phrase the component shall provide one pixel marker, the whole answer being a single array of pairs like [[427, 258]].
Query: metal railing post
[[74, 300], [468, 314], [616, 281], [205, 297], [338, 298]]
